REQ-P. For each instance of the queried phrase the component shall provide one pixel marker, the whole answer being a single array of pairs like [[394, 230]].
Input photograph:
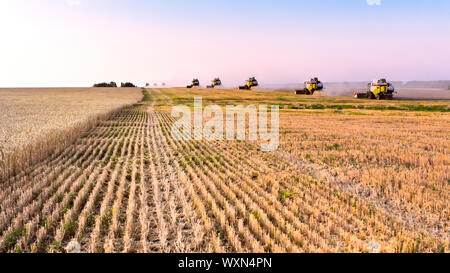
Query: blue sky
[[78, 42]]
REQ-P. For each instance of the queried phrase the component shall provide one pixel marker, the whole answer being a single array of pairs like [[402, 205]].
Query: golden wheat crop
[[27, 114]]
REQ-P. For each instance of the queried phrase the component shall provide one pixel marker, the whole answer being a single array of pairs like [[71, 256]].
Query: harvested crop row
[[348, 222], [399, 163], [262, 209]]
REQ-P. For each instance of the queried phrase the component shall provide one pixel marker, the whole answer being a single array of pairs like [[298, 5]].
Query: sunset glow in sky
[[79, 42]]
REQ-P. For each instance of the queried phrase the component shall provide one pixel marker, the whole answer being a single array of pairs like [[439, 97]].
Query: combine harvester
[[311, 86], [195, 83], [251, 82], [378, 89], [215, 82]]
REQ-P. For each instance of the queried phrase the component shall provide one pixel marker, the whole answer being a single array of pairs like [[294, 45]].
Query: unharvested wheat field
[[349, 176], [26, 114]]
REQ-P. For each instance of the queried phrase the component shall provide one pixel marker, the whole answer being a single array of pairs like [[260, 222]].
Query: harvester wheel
[[381, 97]]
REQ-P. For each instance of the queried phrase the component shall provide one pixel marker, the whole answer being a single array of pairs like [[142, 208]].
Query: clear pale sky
[[79, 42]]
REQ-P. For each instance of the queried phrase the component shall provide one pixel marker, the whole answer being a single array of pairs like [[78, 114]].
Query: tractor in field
[[214, 83], [251, 82], [310, 87], [378, 89], [195, 83]]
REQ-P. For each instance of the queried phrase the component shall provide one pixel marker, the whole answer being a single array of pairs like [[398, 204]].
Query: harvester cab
[[195, 83], [379, 89], [251, 82], [310, 87], [215, 82]]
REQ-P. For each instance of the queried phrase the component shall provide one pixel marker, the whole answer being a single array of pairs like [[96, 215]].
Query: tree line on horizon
[[114, 85]]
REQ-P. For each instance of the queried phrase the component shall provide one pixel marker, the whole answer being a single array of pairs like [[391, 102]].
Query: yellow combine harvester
[[251, 82], [311, 86], [195, 83], [378, 89], [215, 82]]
